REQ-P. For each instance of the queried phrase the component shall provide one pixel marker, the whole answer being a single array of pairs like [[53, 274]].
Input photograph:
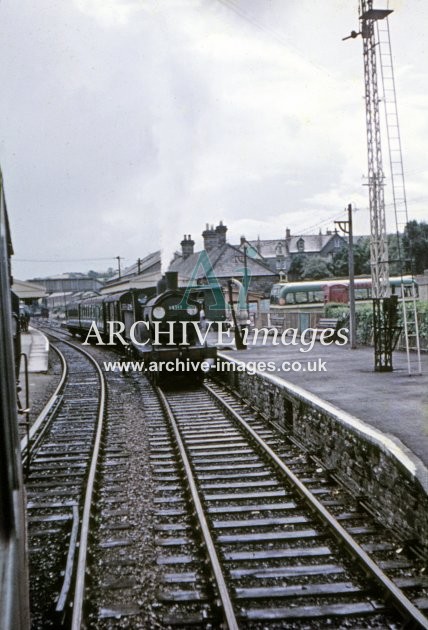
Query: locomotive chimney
[[171, 278]]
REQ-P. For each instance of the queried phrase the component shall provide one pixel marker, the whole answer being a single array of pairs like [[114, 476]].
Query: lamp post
[[240, 345], [246, 282]]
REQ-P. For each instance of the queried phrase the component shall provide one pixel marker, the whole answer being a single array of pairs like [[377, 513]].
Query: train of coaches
[[162, 326], [190, 302], [151, 324]]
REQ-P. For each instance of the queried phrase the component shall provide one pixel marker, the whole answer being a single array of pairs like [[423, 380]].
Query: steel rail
[[40, 425], [79, 589], [227, 605], [391, 591]]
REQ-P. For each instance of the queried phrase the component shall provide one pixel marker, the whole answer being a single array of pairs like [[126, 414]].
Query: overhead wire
[[269, 31], [233, 7]]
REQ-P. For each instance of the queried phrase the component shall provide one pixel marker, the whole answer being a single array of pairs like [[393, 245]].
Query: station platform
[[40, 379], [36, 346], [393, 402]]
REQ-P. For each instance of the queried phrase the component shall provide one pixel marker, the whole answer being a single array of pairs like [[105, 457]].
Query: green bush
[[339, 312], [364, 319], [422, 309], [364, 316]]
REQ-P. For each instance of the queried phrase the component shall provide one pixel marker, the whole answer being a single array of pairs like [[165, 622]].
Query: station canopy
[[28, 290]]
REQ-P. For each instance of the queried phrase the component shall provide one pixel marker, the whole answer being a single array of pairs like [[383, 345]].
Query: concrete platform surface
[[43, 375], [392, 402], [36, 346]]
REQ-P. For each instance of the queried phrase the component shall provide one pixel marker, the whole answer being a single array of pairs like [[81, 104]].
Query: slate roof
[[149, 263], [227, 261], [313, 243]]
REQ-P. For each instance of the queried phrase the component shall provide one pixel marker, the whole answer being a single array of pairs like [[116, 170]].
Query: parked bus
[[301, 304]]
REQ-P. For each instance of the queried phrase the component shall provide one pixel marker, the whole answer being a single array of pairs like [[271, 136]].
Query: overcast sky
[[127, 123]]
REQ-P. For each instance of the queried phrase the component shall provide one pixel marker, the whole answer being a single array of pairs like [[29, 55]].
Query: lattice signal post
[[385, 330]]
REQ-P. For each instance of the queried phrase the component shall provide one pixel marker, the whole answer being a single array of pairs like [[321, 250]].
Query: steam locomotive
[[161, 327], [14, 606], [171, 341]]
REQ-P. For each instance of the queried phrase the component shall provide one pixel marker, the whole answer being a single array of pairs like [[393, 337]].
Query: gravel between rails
[[123, 570]]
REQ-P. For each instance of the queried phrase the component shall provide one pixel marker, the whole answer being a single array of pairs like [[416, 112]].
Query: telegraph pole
[[346, 227], [118, 265]]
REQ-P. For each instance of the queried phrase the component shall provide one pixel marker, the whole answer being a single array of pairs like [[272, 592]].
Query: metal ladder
[[409, 308]]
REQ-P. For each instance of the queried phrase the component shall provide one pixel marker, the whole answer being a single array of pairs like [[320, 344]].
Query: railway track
[[208, 517], [61, 457], [283, 545]]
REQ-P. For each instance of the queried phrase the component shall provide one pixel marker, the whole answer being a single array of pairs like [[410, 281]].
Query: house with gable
[[278, 254], [220, 261]]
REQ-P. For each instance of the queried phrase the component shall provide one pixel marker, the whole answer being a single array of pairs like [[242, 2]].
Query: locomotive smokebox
[[161, 286], [171, 278]]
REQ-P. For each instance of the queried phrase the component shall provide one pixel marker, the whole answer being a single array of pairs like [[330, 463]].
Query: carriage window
[[316, 296], [361, 294], [301, 297], [274, 296]]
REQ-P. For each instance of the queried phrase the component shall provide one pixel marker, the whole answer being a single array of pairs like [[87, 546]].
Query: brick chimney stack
[[221, 234], [187, 245], [210, 238], [214, 237]]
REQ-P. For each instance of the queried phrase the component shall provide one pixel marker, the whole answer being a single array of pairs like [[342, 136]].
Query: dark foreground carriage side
[[14, 607]]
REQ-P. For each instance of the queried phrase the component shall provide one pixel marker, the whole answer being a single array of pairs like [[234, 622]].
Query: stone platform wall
[[377, 468]]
